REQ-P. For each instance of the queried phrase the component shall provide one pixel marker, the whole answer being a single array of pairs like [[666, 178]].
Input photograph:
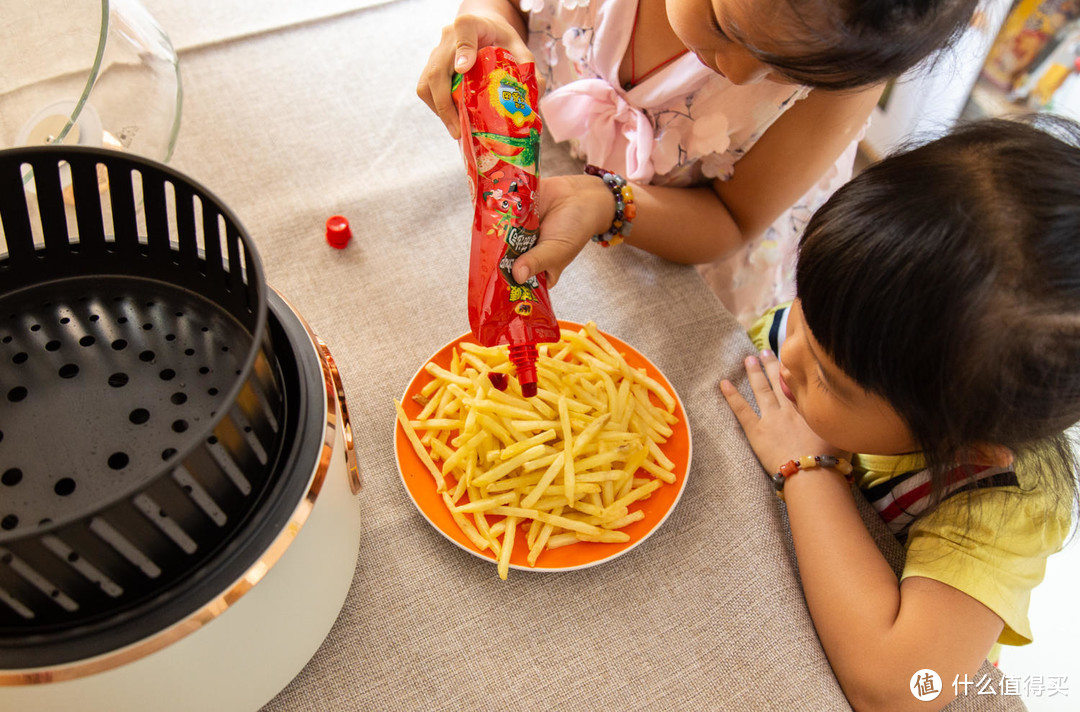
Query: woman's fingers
[[572, 209], [435, 82], [456, 53]]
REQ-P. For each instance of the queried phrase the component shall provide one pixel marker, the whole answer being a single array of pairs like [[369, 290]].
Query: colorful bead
[[625, 210], [806, 462]]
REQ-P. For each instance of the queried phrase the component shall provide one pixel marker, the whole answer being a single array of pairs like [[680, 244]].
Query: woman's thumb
[[534, 262], [464, 57], [523, 268]]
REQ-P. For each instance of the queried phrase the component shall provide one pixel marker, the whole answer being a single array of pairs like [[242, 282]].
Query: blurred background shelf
[[1017, 57], [987, 101]]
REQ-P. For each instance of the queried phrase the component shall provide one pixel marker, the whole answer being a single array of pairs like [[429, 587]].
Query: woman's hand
[[572, 208], [779, 433], [456, 53]]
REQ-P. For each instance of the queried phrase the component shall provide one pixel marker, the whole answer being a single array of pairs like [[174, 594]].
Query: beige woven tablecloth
[[291, 125]]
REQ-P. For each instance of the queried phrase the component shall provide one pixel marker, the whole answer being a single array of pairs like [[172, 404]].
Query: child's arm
[[479, 23], [696, 225], [876, 632]]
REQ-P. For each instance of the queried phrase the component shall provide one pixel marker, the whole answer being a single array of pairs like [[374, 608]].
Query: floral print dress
[[683, 125]]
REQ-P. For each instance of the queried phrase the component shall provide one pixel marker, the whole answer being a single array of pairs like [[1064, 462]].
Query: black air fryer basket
[[140, 404]]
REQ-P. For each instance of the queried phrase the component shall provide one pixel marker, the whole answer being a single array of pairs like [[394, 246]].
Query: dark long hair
[[845, 44], [947, 280]]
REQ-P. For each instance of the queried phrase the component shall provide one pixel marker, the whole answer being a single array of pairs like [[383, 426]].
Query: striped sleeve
[[767, 332]]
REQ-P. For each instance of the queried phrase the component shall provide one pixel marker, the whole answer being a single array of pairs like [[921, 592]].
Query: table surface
[[293, 115]]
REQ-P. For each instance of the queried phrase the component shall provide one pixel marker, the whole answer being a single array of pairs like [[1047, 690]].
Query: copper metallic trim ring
[[254, 574], [346, 422]]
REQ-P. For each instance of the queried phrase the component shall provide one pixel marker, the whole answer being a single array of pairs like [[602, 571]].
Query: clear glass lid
[[90, 73]]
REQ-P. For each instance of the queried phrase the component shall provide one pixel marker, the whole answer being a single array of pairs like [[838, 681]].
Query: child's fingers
[[759, 384], [744, 413], [771, 366]]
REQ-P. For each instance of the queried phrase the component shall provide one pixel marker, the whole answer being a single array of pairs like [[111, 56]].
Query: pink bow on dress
[[610, 131]]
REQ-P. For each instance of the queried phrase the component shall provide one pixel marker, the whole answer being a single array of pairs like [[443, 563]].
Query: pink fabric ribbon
[[612, 133]]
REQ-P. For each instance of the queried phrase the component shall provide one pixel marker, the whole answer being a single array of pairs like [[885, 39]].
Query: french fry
[[559, 540], [507, 546], [448, 376], [541, 541], [545, 480], [463, 452], [519, 447], [569, 465], [466, 526], [483, 505], [508, 466], [440, 482], [568, 449]]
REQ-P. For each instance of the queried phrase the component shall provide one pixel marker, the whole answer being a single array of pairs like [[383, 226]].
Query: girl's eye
[[821, 382]]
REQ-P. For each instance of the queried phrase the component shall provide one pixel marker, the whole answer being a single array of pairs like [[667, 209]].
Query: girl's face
[[717, 31], [833, 405]]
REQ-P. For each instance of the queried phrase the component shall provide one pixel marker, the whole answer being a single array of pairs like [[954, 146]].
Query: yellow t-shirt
[[991, 543]]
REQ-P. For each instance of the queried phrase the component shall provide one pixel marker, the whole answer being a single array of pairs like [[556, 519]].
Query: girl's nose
[[791, 358]]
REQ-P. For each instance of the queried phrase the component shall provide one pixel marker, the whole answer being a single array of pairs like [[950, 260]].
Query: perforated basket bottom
[[99, 386], [52, 640]]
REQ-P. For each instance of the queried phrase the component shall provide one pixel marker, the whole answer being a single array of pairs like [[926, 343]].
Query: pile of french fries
[[564, 465]]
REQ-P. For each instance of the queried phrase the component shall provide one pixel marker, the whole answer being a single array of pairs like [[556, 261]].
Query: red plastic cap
[[338, 232], [524, 356]]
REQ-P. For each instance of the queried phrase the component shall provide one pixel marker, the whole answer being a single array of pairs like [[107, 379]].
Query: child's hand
[[456, 53], [779, 434], [572, 209]]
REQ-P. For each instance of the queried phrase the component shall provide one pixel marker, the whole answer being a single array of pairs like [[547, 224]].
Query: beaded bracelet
[[625, 210], [806, 462]]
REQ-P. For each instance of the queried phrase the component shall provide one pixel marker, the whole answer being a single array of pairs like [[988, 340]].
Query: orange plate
[[421, 486]]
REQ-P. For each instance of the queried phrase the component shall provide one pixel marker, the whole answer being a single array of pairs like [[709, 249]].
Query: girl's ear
[[989, 454]]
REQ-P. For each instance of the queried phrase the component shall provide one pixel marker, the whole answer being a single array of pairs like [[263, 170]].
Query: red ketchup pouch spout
[[500, 140]]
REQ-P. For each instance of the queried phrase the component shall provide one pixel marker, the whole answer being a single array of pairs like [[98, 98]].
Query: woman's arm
[[793, 155], [697, 225], [783, 165], [875, 631]]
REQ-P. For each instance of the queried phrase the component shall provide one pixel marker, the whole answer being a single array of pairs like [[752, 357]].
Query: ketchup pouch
[[500, 140]]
